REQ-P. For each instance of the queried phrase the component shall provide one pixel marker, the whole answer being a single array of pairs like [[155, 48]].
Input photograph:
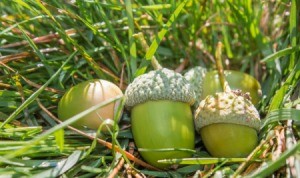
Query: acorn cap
[[195, 76], [160, 84], [226, 107]]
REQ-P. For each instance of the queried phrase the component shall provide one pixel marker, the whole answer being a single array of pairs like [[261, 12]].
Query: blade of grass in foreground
[[19, 133], [60, 139], [204, 160], [281, 115], [36, 94], [62, 166]]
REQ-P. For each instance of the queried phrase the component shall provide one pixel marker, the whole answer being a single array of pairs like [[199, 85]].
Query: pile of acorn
[[166, 108]]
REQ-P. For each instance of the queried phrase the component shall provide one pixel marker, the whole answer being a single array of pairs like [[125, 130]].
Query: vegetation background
[[48, 46]]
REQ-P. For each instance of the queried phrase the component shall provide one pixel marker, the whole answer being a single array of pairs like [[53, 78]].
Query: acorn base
[[229, 140], [159, 126]]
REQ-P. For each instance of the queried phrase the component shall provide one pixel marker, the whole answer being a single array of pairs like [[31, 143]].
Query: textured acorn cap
[[226, 107], [195, 76], [161, 84]]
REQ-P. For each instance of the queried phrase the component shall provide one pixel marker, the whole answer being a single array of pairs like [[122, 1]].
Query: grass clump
[[48, 46]]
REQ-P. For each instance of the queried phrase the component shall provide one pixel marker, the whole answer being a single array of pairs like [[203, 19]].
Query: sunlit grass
[[48, 46]]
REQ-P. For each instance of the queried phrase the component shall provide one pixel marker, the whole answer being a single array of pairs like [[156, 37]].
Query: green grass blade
[[45, 10], [156, 6], [19, 133], [204, 160], [283, 52], [155, 173], [92, 63], [62, 166], [227, 40], [36, 93], [158, 38], [24, 4], [132, 44], [189, 169], [166, 150], [19, 23], [10, 162], [36, 163], [293, 31], [238, 14], [60, 139], [94, 170], [284, 91], [37, 51], [281, 115], [154, 45]]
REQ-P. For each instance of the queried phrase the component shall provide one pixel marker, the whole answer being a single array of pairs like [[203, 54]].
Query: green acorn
[[236, 80], [228, 124], [161, 117], [227, 121]]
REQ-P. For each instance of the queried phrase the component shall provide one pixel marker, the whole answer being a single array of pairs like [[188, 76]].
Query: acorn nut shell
[[161, 117], [228, 124], [237, 81], [85, 95]]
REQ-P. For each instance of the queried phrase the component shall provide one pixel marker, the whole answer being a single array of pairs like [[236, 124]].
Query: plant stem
[[144, 44], [222, 79]]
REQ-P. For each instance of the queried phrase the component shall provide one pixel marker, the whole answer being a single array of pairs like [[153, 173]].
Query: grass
[[48, 46]]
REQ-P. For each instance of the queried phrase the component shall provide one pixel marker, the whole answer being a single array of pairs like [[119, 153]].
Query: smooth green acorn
[[161, 117], [236, 80], [85, 95]]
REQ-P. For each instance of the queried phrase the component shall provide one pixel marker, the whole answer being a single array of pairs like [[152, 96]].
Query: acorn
[[227, 121], [236, 80], [207, 83], [85, 95], [161, 117], [228, 124]]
